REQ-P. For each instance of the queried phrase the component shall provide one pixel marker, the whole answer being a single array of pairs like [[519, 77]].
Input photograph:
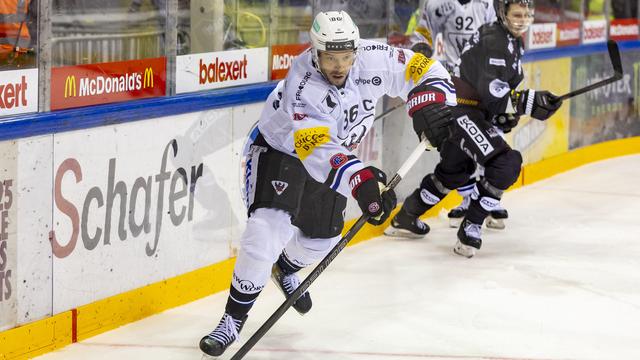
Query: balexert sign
[[84, 85], [196, 72], [18, 91], [219, 71]]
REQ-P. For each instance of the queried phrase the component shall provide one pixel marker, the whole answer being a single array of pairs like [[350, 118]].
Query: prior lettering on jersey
[[417, 67], [306, 140]]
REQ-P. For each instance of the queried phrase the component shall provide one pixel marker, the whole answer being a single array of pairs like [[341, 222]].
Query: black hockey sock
[[239, 303], [476, 214], [484, 198], [430, 192], [286, 265]]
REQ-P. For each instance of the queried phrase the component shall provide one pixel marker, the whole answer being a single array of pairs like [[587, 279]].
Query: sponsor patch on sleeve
[[338, 160], [497, 62], [306, 140], [417, 67]]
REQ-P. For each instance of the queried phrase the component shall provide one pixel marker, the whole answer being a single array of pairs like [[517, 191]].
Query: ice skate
[[458, 213], [496, 218], [407, 226], [288, 283], [227, 331], [469, 239]]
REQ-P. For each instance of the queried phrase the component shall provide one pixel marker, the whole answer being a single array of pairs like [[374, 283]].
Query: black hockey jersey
[[490, 67]]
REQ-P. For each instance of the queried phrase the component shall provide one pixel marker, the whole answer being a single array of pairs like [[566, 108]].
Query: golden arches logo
[[148, 78], [70, 86]]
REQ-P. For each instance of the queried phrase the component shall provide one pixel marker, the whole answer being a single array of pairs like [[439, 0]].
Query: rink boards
[[107, 225]]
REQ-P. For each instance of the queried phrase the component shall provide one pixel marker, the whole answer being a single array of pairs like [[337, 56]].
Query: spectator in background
[[18, 30], [624, 9]]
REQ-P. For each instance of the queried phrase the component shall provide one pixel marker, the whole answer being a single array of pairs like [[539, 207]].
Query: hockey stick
[[402, 172], [614, 56], [388, 111]]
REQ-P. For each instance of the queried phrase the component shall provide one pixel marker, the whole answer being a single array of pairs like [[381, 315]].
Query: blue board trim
[[75, 119], [82, 118]]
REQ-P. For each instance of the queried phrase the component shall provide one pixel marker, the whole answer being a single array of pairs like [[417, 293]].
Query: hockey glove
[[539, 104], [422, 48], [431, 116], [366, 186], [506, 122]]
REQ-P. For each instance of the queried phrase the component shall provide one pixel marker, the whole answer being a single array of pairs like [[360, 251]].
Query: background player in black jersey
[[488, 73]]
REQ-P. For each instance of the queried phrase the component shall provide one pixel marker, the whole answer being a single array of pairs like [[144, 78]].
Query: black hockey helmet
[[502, 6]]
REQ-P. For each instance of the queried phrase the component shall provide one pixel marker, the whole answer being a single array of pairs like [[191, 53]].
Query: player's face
[[335, 65], [519, 18]]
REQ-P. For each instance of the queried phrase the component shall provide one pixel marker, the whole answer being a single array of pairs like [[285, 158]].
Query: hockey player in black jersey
[[487, 75]]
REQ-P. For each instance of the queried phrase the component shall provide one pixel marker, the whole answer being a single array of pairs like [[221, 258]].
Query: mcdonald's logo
[[70, 86], [148, 78]]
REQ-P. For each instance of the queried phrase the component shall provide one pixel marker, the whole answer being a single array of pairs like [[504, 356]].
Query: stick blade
[[614, 55]]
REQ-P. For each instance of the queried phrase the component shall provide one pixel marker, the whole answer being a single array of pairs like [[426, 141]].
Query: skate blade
[[391, 231], [464, 250], [455, 222], [493, 223]]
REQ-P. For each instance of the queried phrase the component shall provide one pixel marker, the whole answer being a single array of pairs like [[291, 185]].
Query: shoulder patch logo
[[306, 140], [279, 186], [338, 160], [417, 67]]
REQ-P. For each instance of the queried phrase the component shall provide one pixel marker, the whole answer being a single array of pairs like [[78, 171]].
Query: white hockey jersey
[[457, 22], [321, 124]]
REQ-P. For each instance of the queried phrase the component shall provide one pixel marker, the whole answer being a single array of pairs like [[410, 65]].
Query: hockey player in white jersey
[[301, 168], [456, 20]]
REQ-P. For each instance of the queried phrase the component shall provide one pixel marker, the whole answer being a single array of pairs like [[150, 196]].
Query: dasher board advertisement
[[8, 235], [282, 57], [18, 91], [131, 209], [92, 84], [594, 31], [214, 70]]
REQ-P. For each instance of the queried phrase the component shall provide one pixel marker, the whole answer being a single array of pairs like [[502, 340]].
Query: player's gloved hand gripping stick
[[304, 285]]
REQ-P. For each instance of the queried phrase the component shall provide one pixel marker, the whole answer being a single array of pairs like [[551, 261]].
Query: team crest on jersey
[[279, 186], [327, 104], [338, 160]]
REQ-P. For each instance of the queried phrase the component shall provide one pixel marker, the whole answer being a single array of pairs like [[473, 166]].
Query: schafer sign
[[83, 85], [221, 69]]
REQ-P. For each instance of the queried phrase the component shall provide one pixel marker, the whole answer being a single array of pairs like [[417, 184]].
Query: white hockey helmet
[[333, 31]]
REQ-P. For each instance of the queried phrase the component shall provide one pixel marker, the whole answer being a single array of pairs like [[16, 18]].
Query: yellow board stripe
[[48, 334]]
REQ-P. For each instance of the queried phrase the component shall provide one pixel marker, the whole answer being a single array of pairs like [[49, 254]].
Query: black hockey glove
[[506, 122], [539, 104], [422, 48], [431, 116], [366, 186]]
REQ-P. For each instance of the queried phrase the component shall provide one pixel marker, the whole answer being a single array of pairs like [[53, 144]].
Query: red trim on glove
[[419, 100], [358, 179]]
